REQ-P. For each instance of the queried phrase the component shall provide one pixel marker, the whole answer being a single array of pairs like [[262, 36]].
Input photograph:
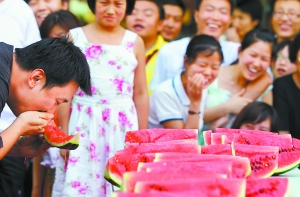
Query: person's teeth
[[213, 25], [253, 70]]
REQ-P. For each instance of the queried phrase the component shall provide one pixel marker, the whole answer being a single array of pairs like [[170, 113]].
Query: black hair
[[256, 35], [60, 59], [280, 46], [62, 18], [62, 1], [129, 7], [256, 112], [178, 3], [160, 7], [252, 7], [294, 48], [231, 2], [203, 44]]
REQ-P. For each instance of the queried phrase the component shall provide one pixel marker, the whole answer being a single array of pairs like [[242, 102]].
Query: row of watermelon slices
[[168, 161]]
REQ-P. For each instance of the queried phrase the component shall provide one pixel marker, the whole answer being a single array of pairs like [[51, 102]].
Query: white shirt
[[170, 102], [18, 27], [170, 59]]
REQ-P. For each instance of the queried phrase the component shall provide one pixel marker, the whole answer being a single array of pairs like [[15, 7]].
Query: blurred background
[[81, 10]]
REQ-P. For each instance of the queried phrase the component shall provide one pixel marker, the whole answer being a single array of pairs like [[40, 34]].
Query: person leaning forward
[[33, 81]]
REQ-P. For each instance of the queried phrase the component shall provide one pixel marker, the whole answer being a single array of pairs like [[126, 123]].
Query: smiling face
[[262, 126], [172, 23], [282, 65], [110, 13], [213, 17], [208, 66], [242, 22], [144, 20], [254, 60], [42, 8], [286, 20]]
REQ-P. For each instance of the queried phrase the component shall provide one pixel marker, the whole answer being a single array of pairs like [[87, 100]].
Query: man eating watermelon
[[33, 81]]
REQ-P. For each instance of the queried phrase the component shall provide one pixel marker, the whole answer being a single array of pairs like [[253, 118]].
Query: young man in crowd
[[146, 20], [42, 8], [33, 82], [174, 12]]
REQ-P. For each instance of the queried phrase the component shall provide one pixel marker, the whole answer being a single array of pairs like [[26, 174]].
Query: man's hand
[[31, 146], [32, 122]]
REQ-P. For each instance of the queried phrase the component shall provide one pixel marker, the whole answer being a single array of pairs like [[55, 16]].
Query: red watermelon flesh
[[176, 146], [231, 132], [131, 178], [209, 187], [288, 157], [187, 141], [219, 149], [296, 143], [207, 137], [160, 135], [159, 194], [119, 164], [270, 187], [240, 165], [263, 159], [218, 138], [187, 167]]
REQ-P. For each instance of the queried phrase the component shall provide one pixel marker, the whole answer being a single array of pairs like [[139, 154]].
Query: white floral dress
[[101, 119]]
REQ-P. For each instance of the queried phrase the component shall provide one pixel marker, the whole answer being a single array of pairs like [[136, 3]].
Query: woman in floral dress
[[119, 102]]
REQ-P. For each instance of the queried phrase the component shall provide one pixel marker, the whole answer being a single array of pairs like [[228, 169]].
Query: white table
[[294, 182]]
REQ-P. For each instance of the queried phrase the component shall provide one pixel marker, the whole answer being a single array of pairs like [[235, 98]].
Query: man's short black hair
[[178, 3], [231, 2], [61, 61], [252, 7], [129, 8]]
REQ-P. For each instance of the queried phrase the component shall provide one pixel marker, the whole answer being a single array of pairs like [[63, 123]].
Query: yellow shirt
[[151, 56]]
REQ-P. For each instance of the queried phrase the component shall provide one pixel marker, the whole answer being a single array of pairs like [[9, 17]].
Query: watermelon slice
[[209, 187], [207, 137], [57, 138], [219, 149], [263, 159], [229, 133], [240, 165], [158, 194], [131, 178], [270, 187], [218, 138], [288, 158], [187, 167], [172, 146], [119, 164], [160, 135]]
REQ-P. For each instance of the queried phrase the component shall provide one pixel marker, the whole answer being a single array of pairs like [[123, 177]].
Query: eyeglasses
[[280, 14], [281, 57]]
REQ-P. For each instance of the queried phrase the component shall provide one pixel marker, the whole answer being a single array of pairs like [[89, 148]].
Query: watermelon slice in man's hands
[[57, 138]]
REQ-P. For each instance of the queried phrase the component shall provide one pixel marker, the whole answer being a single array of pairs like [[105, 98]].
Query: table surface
[[294, 181]]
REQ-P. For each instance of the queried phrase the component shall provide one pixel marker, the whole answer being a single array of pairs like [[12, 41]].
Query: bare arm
[[258, 86], [232, 106], [140, 94], [64, 116], [268, 98], [192, 121], [27, 123]]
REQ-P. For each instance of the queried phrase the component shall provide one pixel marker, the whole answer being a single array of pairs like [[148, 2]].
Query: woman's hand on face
[[237, 102], [194, 87], [32, 122]]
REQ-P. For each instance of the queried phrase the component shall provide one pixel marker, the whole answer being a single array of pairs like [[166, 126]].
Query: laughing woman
[[225, 94]]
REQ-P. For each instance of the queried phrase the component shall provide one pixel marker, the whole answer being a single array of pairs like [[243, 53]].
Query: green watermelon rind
[[71, 144], [286, 169]]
